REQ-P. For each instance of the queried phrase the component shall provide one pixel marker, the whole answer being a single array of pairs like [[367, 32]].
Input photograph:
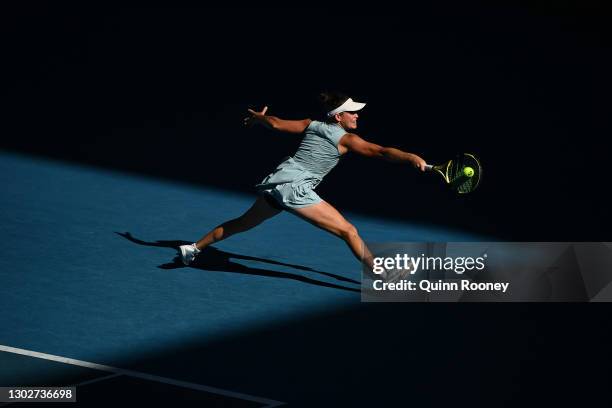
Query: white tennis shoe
[[188, 253]]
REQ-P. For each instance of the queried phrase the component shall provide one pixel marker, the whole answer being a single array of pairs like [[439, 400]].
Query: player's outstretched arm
[[275, 123], [356, 144]]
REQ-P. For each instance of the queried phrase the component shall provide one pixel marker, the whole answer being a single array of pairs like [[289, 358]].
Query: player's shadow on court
[[213, 259]]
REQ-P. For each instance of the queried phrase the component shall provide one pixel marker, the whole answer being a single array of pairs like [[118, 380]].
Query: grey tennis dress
[[293, 182]]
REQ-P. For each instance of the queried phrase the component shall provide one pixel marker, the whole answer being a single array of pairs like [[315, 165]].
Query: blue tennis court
[[89, 279]]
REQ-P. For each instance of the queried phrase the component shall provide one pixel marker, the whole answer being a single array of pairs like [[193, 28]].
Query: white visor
[[348, 106]]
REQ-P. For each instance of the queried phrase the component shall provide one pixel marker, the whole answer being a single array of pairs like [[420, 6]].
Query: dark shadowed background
[[162, 91]]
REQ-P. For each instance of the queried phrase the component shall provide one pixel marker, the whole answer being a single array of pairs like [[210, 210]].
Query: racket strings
[[471, 182], [461, 182]]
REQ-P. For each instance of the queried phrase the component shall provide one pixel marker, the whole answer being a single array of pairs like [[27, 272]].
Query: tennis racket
[[457, 174]]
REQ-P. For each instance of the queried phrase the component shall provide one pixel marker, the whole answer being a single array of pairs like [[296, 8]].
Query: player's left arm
[[276, 123], [356, 144]]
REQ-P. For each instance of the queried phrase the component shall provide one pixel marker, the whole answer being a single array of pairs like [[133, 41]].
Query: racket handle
[[428, 167]]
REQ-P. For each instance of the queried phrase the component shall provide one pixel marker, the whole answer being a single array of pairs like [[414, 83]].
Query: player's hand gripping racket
[[462, 173]]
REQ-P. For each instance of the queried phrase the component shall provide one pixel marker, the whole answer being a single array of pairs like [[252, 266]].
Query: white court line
[[120, 371], [95, 380]]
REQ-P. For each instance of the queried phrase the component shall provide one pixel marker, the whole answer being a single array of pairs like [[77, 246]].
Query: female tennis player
[[291, 186]]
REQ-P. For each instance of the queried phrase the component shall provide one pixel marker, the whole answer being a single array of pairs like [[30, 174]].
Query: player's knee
[[348, 231]]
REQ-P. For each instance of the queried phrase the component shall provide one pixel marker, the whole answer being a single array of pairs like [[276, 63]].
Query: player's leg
[[260, 211], [326, 217]]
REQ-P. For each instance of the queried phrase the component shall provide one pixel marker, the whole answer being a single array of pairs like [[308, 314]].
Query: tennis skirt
[[290, 185]]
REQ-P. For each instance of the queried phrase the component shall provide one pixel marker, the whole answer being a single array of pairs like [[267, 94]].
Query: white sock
[[196, 248]]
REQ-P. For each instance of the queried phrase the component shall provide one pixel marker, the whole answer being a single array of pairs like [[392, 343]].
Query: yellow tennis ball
[[468, 171]]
